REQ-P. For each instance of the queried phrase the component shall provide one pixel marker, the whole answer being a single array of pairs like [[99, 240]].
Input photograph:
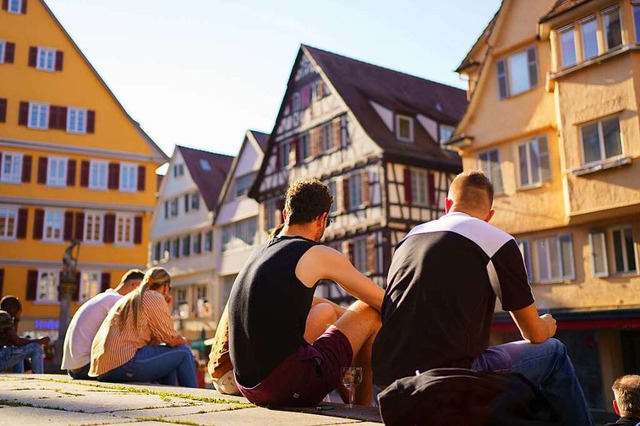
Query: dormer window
[[445, 132], [178, 170], [404, 128], [15, 6]]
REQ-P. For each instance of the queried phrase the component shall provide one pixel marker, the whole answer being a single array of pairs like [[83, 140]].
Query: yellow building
[[74, 164], [553, 120]]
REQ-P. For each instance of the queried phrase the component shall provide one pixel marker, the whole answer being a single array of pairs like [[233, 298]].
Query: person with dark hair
[[138, 342], [626, 390], [84, 325], [14, 350], [441, 291], [287, 348]]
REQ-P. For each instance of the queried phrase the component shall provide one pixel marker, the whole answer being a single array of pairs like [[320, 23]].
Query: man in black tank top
[[280, 346]]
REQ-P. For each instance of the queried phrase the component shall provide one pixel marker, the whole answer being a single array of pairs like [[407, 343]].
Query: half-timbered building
[[374, 136]]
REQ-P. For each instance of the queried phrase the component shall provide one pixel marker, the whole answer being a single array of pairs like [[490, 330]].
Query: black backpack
[[458, 396]]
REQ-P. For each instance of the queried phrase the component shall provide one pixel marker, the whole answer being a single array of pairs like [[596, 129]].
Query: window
[[612, 27], [326, 134], [166, 250], [11, 167], [53, 221], [445, 132], [46, 59], [173, 207], [197, 243], [204, 164], [2, 50], [186, 245], [76, 120], [47, 286], [568, 46], [555, 258], [360, 254], [208, 241], [283, 152], [589, 34], [355, 191], [98, 174], [345, 137], [295, 101], [175, 248], [38, 116], [57, 171], [8, 223], [178, 170], [89, 285], [187, 204], [15, 6], [601, 140], [332, 187], [517, 73], [419, 190], [243, 184], [93, 227], [523, 245], [404, 128], [304, 145], [124, 228], [239, 235], [622, 250], [534, 162], [270, 207], [195, 201], [128, 177], [636, 19], [489, 163], [597, 240]]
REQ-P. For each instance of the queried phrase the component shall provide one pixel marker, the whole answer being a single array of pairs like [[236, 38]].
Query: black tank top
[[268, 309]]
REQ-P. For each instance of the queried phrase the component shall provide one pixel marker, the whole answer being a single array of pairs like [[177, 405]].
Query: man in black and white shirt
[[440, 298]]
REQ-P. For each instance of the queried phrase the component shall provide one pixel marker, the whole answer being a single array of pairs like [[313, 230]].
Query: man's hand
[[168, 299], [550, 321]]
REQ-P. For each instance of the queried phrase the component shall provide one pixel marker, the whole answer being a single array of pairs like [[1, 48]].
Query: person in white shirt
[[85, 323]]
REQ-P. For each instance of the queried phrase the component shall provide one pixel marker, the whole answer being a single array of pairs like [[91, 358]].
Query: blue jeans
[[547, 366], [163, 364], [13, 357], [81, 373]]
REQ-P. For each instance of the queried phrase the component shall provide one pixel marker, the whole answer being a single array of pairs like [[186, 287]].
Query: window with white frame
[[173, 210], [239, 235], [360, 254], [615, 244], [57, 171], [46, 59], [243, 184], [285, 147], [76, 120], [89, 285], [419, 190], [589, 37], [124, 228], [8, 223], [404, 128], [166, 250], [568, 46], [197, 243], [517, 73], [175, 248], [601, 140], [523, 245], [11, 171], [93, 223], [612, 26], [489, 164], [636, 18], [195, 201], [38, 116], [599, 262], [47, 285], [98, 172], [304, 145], [533, 159], [53, 222], [555, 258], [128, 177], [446, 132], [186, 245], [2, 49], [355, 190], [14, 6], [326, 134], [208, 241]]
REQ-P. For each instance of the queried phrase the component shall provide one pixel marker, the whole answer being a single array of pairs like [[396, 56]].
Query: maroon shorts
[[306, 376]]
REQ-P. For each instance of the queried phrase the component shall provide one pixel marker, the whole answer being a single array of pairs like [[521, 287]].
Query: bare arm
[[321, 262], [534, 328]]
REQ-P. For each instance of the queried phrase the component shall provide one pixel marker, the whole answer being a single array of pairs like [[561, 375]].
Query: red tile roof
[[209, 182]]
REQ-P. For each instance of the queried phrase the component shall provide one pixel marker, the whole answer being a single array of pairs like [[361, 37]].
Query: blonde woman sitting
[[137, 342]]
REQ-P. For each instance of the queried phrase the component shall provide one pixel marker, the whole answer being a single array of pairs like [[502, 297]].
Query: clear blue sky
[[200, 73]]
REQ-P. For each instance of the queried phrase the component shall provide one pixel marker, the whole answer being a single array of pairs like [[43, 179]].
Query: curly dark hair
[[307, 199]]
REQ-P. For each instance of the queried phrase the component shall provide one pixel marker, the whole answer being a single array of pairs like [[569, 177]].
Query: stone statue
[[70, 262]]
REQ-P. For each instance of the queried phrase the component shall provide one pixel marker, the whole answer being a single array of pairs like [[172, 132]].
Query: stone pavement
[[52, 399]]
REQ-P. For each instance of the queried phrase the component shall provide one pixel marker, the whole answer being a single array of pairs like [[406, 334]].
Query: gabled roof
[[261, 138], [209, 182], [161, 156], [561, 7], [468, 60]]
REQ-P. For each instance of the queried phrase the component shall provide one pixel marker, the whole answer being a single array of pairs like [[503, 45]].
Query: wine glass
[[351, 377]]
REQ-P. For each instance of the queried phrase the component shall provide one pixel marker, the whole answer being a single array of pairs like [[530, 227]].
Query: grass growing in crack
[[163, 420], [8, 403]]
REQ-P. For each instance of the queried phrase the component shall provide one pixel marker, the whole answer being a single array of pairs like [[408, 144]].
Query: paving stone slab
[[12, 416], [179, 411]]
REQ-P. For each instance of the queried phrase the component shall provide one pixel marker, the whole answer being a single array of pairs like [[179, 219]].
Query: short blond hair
[[472, 190], [627, 392]]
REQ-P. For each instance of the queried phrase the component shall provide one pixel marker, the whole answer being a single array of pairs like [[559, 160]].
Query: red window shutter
[[79, 227], [38, 224], [32, 284], [371, 254], [337, 133], [105, 281], [142, 174], [71, 173], [316, 142], [109, 228], [59, 59], [91, 121], [345, 194], [24, 7], [23, 218], [137, 230], [9, 52], [26, 168], [68, 226], [431, 188], [114, 175], [408, 194], [53, 117], [42, 170], [364, 179], [62, 118], [5, 4], [76, 294], [23, 114], [3, 110], [84, 173], [33, 56]]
